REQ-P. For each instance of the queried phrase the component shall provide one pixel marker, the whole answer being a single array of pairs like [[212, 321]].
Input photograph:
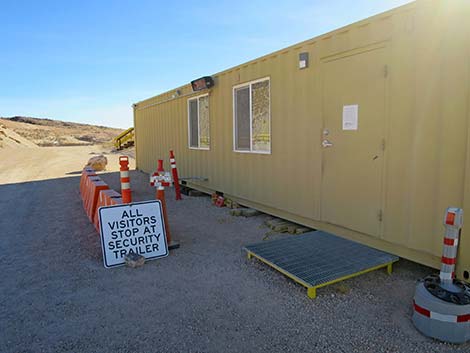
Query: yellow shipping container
[[362, 132]]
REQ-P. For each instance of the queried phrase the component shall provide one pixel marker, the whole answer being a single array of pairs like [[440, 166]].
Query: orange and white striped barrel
[[442, 303], [125, 180], [174, 172], [453, 223]]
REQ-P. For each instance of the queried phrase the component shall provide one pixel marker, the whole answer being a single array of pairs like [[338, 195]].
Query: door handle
[[326, 144]]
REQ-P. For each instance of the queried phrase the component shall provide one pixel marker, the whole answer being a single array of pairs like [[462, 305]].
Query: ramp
[[317, 259]]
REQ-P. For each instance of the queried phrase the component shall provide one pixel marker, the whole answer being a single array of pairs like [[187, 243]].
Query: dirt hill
[[21, 131]]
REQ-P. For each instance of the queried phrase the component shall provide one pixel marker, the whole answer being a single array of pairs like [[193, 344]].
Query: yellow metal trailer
[[361, 132]]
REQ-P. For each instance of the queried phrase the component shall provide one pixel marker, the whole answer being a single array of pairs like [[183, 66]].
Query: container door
[[353, 140]]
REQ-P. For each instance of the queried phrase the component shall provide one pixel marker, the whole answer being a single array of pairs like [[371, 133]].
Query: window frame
[[198, 123], [249, 84]]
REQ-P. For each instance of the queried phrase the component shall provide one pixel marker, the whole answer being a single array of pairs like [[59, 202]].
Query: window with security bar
[[252, 117], [198, 122]]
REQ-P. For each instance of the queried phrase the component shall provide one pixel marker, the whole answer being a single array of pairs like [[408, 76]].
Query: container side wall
[[426, 128]]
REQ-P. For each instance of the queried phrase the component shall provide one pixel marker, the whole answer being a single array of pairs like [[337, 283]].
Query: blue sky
[[88, 61]]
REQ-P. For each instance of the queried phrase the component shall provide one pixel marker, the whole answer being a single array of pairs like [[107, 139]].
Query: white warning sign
[[132, 228]]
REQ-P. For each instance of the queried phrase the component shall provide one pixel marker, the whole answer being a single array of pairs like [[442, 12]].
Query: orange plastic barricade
[[86, 190], [94, 191], [106, 198], [86, 173]]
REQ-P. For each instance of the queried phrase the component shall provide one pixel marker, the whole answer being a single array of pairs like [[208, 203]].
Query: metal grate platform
[[317, 259]]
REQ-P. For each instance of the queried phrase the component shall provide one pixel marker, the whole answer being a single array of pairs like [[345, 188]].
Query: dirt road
[[56, 296], [27, 164]]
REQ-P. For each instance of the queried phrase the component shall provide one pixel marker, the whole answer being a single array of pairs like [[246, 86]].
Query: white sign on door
[[350, 117], [132, 228]]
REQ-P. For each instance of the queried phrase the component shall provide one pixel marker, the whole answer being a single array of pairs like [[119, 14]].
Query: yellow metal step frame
[[123, 137], [312, 290]]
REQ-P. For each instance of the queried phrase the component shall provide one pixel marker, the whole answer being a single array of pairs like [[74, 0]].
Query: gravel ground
[[56, 296]]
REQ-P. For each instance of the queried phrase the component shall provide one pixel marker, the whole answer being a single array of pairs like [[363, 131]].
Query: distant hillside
[[48, 132]]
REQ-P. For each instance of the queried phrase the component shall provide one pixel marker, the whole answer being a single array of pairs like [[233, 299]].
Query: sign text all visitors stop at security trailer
[[132, 228]]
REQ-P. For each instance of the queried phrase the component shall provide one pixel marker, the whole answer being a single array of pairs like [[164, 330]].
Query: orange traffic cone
[[162, 181], [125, 180]]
